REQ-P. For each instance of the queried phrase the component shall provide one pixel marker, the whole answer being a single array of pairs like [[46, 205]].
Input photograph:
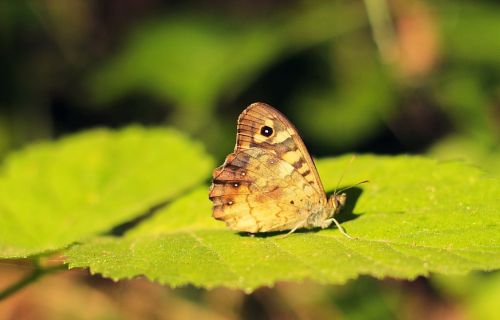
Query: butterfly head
[[336, 202]]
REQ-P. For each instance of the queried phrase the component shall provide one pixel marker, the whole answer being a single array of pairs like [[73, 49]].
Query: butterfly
[[269, 182]]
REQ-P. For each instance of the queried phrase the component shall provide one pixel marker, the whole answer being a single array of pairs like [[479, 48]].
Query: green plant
[[72, 197]]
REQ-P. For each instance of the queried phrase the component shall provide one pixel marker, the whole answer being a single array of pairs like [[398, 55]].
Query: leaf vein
[[431, 247], [310, 266], [238, 277], [350, 250]]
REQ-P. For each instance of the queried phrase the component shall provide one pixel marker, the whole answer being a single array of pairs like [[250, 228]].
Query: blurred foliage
[[354, 76], [485, 156], [479, 293], [374, 76]]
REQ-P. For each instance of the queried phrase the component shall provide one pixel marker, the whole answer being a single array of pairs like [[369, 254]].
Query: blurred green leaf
[[55, 193], [354, 102], [459, 147], [484, 303], [470, 31], [467, 85], [416, 216], [464, 97], [186, 59], [366, 299], [478, 293], [193, 59]]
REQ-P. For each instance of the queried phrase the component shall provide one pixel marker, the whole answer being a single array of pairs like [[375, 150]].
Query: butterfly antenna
[[337, 191], [352, 186]]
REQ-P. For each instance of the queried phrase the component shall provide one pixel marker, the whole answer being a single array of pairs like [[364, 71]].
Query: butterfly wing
[[262, 126], [254, 191], [269, 182]]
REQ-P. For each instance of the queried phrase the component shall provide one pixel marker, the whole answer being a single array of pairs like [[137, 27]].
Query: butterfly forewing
[[262, 126]]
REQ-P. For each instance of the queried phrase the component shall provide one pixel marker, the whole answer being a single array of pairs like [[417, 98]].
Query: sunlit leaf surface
[[416, 216], [55, 193]]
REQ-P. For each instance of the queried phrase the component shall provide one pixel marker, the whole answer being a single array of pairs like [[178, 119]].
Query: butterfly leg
[[328, 222], [298, 226]]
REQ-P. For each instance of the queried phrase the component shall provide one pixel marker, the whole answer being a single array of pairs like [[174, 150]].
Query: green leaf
[[469, 31], [55, 193], [483, 303], [466, 100], [347, 114], [193, 59], [416, 216], [478, 293], [378, 301], [187, 59], [483, 155]]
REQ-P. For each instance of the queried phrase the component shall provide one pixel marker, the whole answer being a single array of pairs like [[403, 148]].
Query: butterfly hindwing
[[254, 191]]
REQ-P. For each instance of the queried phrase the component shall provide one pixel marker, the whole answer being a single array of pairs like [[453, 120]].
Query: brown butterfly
[[270, 182]]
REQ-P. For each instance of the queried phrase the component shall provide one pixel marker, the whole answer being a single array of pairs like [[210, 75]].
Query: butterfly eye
[[266, 131]]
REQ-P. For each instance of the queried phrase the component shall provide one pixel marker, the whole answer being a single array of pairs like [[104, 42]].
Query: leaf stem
[[34, 276], [384, 34]]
